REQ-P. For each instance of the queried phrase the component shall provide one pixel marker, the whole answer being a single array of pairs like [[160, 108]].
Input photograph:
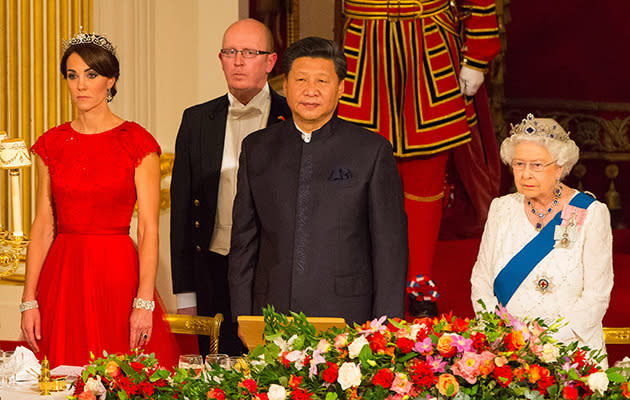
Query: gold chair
[[197, 325], [617, 335]]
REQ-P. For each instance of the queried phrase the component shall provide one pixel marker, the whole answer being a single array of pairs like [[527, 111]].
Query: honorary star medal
[[544, 284]]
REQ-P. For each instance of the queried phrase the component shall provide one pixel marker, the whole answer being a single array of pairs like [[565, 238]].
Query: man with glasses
[[203, 185]]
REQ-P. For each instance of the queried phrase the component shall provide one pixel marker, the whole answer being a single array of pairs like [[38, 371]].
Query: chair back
[[197, 325], [617, 335]]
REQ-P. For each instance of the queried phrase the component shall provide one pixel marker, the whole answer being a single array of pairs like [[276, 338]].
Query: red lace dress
[[90, 275]]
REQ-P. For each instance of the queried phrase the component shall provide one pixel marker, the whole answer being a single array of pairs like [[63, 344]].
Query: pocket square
[[340, 174]]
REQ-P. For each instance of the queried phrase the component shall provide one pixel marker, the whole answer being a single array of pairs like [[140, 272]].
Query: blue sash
[[517, 269]]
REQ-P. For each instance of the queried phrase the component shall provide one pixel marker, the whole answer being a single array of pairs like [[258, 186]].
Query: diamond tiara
[[546, 127], [91, 38]]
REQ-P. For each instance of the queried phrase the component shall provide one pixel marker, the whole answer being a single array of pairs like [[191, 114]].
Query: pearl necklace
[[542, 215]]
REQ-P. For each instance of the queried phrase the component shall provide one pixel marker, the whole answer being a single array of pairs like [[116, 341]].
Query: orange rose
[[624, 390], [514, 340], [445, 347], [448, 385], [536, 372], [112, 369]]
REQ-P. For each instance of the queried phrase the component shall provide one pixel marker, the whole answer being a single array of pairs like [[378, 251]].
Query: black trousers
[[213, 297]]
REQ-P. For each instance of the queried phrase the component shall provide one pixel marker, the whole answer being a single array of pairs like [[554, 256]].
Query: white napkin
[[26, 361]]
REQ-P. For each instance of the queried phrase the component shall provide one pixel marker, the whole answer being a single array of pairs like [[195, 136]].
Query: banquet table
[[29, 391]]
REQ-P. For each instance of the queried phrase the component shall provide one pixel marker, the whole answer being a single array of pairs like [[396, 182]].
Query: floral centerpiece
[[494, 356], [133, 376]]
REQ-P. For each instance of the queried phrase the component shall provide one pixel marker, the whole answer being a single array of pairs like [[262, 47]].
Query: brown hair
[[97, 58]]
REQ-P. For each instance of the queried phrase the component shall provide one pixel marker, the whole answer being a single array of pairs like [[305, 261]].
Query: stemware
[[222, 360], [193, 361]]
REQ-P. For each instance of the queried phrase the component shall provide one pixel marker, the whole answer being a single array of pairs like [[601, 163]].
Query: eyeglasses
[[535, 166], [246, 53]]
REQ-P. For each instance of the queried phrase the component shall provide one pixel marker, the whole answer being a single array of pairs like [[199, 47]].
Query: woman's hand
[[140, 327], [31, 328]]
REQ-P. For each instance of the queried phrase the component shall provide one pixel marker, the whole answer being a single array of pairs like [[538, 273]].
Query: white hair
[[566, 153]]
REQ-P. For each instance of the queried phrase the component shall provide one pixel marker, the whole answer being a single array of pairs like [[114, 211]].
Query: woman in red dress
[[87, 288]]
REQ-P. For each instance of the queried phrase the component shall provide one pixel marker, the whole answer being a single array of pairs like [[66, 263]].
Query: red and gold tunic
[[404, 58]]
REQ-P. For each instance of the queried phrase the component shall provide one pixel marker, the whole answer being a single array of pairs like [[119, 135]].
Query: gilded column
[[25, 112], [4, 107]]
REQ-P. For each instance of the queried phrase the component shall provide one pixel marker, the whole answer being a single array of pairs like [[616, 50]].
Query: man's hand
[[470, 80]]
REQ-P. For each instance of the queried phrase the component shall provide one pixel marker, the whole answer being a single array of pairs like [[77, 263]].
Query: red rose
[[544, 383], [384, 377], [503, 375], [460, 325], [136, 366], [570, 393], [480, 342], [250, 385], [262, 396], [391, 327], [331, 373], [404, 344], [377, 342]]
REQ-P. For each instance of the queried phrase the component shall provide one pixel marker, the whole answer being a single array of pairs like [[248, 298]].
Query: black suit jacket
[[195, 184], [356, 254]]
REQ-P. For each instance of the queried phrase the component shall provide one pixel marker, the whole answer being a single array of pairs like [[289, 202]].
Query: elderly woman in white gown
[[546, 250]]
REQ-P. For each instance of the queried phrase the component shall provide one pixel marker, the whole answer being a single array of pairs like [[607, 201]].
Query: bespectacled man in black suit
[[203, 184]]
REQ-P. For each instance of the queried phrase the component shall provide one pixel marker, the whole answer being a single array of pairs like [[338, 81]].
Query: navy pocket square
[[340, 174]]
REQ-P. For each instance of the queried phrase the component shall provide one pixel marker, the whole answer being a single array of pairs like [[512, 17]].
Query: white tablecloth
[[30, 391]]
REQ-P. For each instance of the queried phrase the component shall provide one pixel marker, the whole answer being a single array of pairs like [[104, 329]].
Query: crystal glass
[[222, 360], [8, 369], [194, 361]]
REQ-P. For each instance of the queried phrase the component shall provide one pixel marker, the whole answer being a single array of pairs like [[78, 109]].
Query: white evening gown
[[580, 278]]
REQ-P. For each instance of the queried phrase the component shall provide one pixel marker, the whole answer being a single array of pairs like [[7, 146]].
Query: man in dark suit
[[318, 224], [204, 175]]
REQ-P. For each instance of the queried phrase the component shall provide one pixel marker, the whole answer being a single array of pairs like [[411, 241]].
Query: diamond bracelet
[[28, 305], [143, 304]]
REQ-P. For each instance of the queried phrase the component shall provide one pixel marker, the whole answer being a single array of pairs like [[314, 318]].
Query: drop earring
[[109, 96]]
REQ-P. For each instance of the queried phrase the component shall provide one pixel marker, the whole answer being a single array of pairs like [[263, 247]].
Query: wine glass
[[193, 361], [222, 360], [8, 369]]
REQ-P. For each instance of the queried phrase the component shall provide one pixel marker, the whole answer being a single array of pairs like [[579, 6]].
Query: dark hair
[[97, 58], [316, 47]]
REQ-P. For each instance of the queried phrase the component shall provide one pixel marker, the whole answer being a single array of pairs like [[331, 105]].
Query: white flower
[[285, 345], [323, 346], [297, 357], [355, 347], [598, 381], [550, 353], [349, 375], [276, 392], [95, 386]]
